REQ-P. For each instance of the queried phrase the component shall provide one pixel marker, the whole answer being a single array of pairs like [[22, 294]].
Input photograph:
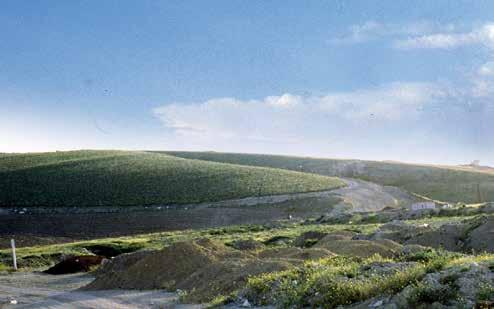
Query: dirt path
[[368, 196], [37, 290]]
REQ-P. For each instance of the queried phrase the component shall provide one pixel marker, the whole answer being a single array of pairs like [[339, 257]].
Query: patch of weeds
[[310, 242], [490, 265], [329, 283], [450, 279], [435, 260], [221, 300], [427, 294], [110, 250], [4, 267], [182, 296], [486, 292]]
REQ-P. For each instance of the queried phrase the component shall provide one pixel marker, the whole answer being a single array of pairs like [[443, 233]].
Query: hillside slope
[[441, 183], [121, 178]]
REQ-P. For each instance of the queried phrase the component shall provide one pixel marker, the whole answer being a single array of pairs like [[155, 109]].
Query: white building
[[423, 205]]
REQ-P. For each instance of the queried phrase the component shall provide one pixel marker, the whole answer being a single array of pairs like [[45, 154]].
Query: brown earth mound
[[338, 235], [75, 264], [308, 239], [121, 262], [166, 268], [224, 277], [203, 268], [360, 248], [481, 237], [295, 253], [278, 240], [446, 237], [247, 244], [399, 231], [476, 234]]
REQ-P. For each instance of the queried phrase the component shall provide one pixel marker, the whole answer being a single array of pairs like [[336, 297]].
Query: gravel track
[[37, 290]]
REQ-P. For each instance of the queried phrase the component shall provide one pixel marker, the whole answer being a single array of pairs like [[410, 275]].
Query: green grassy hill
[[122, 178], [441, 183]]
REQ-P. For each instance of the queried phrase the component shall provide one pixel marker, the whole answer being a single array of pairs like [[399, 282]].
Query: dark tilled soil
[[55, 228]]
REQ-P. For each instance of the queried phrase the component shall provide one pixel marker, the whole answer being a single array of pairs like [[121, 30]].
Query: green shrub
[[329, 283], [427, 294], [486, 292]]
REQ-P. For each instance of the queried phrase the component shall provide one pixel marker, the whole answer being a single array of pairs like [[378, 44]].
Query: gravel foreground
[[37, 290]]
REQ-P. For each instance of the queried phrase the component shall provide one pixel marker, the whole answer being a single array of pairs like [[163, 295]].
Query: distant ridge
[[444, 183]]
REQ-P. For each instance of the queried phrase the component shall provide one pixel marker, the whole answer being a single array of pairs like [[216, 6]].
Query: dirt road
[[362, 196], [37, 290]]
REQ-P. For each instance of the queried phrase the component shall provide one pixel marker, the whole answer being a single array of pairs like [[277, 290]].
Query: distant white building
[[423, 205]]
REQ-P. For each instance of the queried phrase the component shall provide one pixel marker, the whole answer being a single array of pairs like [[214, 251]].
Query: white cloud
[[289, 118], [372, 30], [487, 69], [483, 35]]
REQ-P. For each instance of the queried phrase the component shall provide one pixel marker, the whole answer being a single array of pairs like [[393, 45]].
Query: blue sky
[[354, 79]]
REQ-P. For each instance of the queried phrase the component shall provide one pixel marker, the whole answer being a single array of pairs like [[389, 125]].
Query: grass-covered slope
[[441, 183], [119, 178]]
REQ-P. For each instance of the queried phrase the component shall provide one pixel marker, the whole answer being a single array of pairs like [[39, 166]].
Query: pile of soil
[[399, 231], [75, 264], [308, 239], [166, 268], [361, 248], [247, 244], [278, 240], [446, 237], [121, 262], [472, 235], [203, 268], [295, 253], [338, 235], [480, 236], [111, 250], [224, 277]]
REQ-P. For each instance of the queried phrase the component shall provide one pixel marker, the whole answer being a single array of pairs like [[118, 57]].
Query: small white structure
[[423, 205]]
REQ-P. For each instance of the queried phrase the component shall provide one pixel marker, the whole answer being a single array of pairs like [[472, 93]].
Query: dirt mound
[[75, 264], [308, 239], [361, 248], [247, 244], [203, 268], [399, 231], [278, 240], [334, 236], [446, 237], [165, 268], [224, 277], [121, 262], [481, 237], [111, 250], [295, 253], [476, 234]]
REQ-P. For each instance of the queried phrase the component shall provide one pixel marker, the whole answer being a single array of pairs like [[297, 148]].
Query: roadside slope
[[124, 178], [440, 183]]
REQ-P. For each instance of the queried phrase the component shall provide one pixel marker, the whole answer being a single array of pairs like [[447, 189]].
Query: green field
[[440, 183], [123, 178]]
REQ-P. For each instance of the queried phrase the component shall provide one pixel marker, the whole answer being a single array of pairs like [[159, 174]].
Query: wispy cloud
[[483, 35], [372, 30], [487, 69]]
